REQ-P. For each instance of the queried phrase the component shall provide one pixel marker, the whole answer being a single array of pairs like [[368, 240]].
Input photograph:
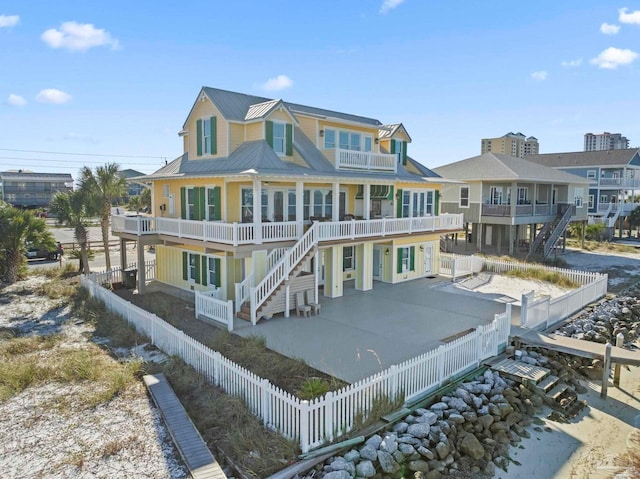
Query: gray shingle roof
[[585, 158], [22, 175], [496, 166], [235, 106]]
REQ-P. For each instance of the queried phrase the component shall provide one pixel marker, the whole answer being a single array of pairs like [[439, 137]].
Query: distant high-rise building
[[605, 141], [513, 144]]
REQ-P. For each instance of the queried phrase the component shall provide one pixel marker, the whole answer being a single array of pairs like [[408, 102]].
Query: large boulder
[[470, 446]]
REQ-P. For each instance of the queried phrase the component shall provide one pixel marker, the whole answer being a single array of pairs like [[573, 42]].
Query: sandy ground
[[623, 268], [122, 438]]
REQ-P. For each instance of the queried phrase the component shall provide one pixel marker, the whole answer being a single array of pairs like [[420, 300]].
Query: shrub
[[313, 388]]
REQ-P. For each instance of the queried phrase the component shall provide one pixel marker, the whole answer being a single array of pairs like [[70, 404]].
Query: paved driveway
[[363, 333]]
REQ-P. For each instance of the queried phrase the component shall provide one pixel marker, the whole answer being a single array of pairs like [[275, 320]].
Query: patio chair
[[315, 307], [301, 306]]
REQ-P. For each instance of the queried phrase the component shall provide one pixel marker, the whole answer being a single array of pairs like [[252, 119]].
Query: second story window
[[206, 136], [279, 138], [329, 139], [347, 140]]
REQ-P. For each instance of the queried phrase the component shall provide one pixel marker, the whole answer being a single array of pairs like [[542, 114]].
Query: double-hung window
[[211, 271], [206, 136], [329, 138], [496, 195], [193, 267], [579, 195], [348, 258], [523, 196], [246, 198], [191, 203], [212, 199], [464, 197], [279, 138], [405, 259]]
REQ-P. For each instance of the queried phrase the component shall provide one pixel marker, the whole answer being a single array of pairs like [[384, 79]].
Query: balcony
[[365, 160], [620, 183], [236, 234], [521, 210]]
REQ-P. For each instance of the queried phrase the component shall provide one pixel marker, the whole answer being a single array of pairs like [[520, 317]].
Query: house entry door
[[428, 259], [377, 264]]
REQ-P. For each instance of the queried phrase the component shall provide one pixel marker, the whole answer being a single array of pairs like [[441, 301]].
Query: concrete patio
[[362, 333]]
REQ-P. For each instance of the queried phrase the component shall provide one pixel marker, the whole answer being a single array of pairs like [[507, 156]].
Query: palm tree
[[19, 228], [145, 198], [634, 219], [104, 186], [73, 209]]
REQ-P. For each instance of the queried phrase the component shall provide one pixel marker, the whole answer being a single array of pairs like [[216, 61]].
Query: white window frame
[[604, 199], [190, 208], [192, 259], [349, 255], [591, 174], [464, 202], [406, 258], [591, 201], [209, 205], [332, 138], [206, 136], [330, 143], [578, 194], [523, 195], [496, 195], [283, 138], [417, 203], [211, 268]]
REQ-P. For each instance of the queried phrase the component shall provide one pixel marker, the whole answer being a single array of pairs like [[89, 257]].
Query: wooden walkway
[[192, 448], [516, 369], [578, 347]]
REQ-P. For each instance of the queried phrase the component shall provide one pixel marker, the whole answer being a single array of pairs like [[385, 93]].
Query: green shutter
[[392, 146], [390, 195], [185, 265], [218, 203], [199, 136], [404, 153], [436, 203], [399, 203], [214, 138], [197, 268], [216, 264], [399, 257], [268, 132], [183, 203], [204, 271], [412, 258], [203, 203], [289, 133]]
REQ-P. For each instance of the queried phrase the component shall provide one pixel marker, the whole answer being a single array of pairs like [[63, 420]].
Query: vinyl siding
[[236, 136], [308, 127], [202, 110], [254, 131]]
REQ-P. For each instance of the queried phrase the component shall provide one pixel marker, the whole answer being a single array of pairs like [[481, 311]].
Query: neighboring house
[[26, 189], [272, 198], [505, 199], [614, 177], [605, 141], [134, 187], [513, 144]]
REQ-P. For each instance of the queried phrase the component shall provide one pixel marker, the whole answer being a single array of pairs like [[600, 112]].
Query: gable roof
[[496, 166], [387, 131], [26, 175], [586, 158]]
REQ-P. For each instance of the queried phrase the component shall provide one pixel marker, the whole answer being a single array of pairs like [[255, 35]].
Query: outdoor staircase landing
[[519, 371]]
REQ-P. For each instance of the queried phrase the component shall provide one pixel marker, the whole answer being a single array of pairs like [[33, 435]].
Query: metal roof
[[499, 167], [586, 158], [260, 110], [22, 175], [387, 131]]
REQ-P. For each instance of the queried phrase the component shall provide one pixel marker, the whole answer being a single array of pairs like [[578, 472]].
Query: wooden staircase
[[277, 296], [552, 231]]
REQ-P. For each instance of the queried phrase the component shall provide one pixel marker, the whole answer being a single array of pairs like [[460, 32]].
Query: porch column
[[364, 266], [300, 207], [259, 265], [512, 239], [514, 199], [335, 210], [499, 232], [141, 268], [366, 201], [257, 210], [477, 231], [333, 279], [123, 254]]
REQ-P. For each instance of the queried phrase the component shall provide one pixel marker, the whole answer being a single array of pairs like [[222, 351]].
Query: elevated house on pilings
[[511, 203], [273, 198]]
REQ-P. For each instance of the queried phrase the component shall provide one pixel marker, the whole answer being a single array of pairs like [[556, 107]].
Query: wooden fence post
[[606, 368], [616, 369]]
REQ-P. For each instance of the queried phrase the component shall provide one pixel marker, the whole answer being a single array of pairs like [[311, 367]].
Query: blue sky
[[119, 77]]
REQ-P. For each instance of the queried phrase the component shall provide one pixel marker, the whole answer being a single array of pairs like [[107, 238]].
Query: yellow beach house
[[274, 204]]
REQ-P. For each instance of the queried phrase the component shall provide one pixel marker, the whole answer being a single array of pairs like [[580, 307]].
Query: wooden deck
[[578, 347], [192, 448], [519, 371]]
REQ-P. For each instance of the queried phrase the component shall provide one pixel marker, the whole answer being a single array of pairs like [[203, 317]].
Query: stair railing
[[281, 270], [560, 228]]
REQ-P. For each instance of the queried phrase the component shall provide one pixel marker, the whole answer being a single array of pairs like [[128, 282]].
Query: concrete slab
[[362, 333]]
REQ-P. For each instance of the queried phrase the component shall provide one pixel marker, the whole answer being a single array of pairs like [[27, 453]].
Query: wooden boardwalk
[[578, 347], [192, 448], [516, 369]]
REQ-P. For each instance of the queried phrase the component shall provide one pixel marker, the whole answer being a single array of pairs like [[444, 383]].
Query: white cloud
[[389, 5], [79, 37], [53, 96], [9, 20], [539, 76], [609, 29], [572, 63], [612, 58], [633, 17], [16, 100], [278, 83]]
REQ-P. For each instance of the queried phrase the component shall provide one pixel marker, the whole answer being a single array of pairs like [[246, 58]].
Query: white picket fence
[[114, 275], [211, 306], [312, 423], [535, 313]]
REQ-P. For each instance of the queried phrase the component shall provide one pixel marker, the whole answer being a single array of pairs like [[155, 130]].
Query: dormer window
[[347, 140], [279, 138], [206, 136]]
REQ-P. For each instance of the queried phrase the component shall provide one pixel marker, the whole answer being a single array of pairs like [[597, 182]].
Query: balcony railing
[[521, 210], [365, 160], [620, 182], [245, 233]]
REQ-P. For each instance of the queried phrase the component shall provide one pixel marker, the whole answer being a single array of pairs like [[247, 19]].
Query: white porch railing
[[244, 233], [365, 160], [620, 182], [243, 290], [314, 423], [210, 305]]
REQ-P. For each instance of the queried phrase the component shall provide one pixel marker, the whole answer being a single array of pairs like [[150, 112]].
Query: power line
[[83, 154], [66, 161], [57, 167]]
